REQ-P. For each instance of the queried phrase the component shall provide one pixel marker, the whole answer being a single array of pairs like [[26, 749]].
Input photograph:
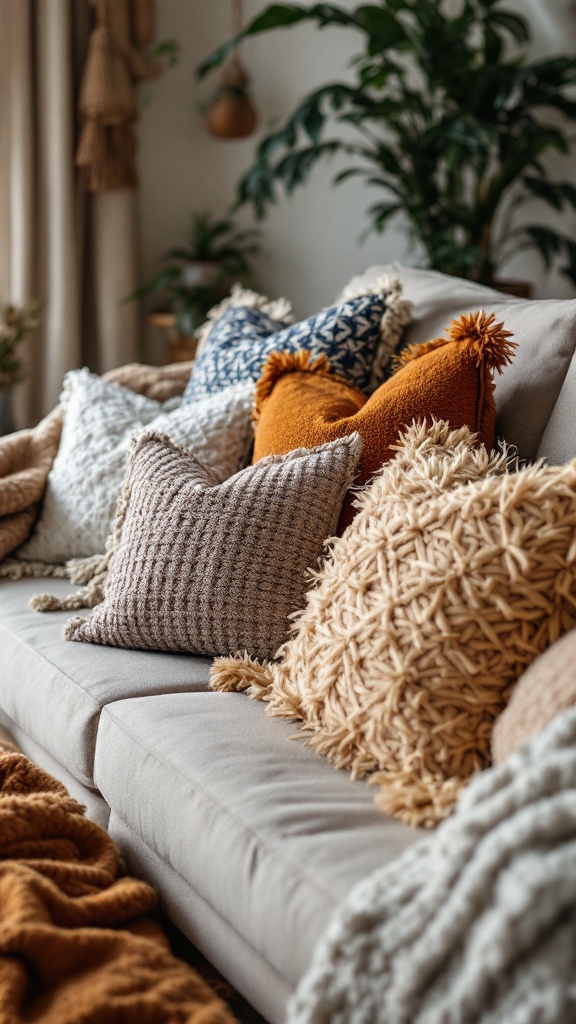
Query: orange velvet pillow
[[300, 403]]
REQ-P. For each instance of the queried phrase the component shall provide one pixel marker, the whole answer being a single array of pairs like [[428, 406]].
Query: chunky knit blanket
[[77, 942], [475, 924], [26, 457]]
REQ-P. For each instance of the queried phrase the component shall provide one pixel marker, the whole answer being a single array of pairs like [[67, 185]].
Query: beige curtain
[[77, 253]]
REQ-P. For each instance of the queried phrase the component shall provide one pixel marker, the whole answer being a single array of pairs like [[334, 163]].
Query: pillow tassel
[[89, 573], [241, 674], [487, 340]]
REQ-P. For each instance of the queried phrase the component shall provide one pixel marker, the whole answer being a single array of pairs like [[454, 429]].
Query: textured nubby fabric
[[86, 477], [215, 568], [475, 924], [543, 691], [454, 576], [26, 457], [358, 336], [301, 403]]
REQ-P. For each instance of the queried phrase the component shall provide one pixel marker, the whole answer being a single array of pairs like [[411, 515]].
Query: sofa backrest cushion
[[558, 442], [527, 391]]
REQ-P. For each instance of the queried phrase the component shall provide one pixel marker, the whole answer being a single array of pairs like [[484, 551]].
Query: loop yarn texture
[[100, 417]]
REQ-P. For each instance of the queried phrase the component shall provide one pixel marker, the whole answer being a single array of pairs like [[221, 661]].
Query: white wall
[[311, 239]]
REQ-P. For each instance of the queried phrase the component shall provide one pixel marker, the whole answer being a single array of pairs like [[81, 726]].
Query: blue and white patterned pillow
[[350, 334], [240, 323]]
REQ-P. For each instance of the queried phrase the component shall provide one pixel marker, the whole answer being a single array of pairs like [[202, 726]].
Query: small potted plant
[[15, 323], [194, 278]]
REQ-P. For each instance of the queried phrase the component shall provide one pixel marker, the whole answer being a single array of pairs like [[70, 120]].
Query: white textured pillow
[[86, 477]]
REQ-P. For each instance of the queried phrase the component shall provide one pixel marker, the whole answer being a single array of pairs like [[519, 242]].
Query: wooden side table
[[180, 348]]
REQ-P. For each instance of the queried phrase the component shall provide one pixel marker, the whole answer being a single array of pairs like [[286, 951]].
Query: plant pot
[[201, 273], [180, 348], [6, 415]]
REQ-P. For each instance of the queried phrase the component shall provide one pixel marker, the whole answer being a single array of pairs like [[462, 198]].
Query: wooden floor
[[182, 948]]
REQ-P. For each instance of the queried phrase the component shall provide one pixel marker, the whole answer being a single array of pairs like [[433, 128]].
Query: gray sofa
[[251, 839]]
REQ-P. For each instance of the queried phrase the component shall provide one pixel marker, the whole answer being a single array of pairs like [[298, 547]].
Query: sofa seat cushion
[[251, 975], [270, 836], [527, 391], [55, 690]]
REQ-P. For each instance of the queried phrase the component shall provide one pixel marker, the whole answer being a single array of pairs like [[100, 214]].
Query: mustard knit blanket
[[475, 924], [78, 940]]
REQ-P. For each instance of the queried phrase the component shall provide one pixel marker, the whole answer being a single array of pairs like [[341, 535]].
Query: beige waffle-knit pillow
[[210, 567], [452, 578]]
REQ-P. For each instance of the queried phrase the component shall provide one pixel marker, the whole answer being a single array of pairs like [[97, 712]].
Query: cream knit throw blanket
[[26, 459], [475, 924]]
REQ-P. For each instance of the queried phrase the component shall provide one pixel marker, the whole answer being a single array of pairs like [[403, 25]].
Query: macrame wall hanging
[[231, 114], [107, 105]]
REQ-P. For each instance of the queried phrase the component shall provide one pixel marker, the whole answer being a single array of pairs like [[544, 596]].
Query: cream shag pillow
[[214, 568], [86, 477], [452, 578]]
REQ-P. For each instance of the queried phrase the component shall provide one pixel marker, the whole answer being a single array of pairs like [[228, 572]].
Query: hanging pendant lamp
[[231, 114]]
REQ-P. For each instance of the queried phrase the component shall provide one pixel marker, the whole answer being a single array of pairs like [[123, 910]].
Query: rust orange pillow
[[300, 403]]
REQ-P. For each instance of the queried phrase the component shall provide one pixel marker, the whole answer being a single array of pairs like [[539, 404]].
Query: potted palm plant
[[193, 278], [15, 323], [446, 118]]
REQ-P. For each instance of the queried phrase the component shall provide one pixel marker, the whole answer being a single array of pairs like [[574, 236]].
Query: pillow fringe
[[398, 314], [421, 802], [92, 572], [279, 363], [276, 309], [18, 569]]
